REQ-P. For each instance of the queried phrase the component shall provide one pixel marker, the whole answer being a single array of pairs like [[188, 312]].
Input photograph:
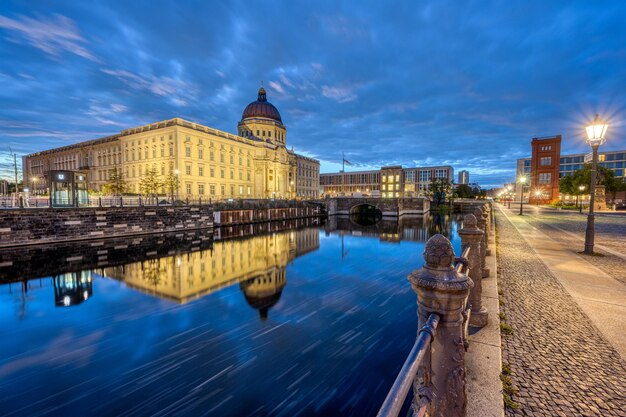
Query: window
[[211, 156], [212, 172], [221, 157], [171, 149], [222, 189], [212, 189], [188, 186], [188, 152], [188, 169], [200, 154], [162, 151], [201, 171], [222, 173], [241, 190], [232, 159], [544, 178], [546, 160], [201, 189], [249, 190]]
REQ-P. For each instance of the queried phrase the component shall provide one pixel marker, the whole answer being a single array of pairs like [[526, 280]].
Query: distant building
[[546, 166], [463, 177], [390, 181], [255, 163]]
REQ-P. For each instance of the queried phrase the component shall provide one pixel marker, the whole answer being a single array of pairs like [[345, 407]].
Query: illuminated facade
[[392, 181], [207, 162], [546, 166]]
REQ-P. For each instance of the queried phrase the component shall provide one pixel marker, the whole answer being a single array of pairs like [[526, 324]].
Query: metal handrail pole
[[404, 381]]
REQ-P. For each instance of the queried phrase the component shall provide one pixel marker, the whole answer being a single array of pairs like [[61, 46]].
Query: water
[[306, 321]]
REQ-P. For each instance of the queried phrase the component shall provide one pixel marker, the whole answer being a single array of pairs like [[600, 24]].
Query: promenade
[[567, 352]]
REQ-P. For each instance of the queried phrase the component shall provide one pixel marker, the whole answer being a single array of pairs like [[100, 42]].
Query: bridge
[[388, 207]]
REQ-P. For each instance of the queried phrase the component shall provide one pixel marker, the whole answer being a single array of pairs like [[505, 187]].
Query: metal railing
[[404, 381]]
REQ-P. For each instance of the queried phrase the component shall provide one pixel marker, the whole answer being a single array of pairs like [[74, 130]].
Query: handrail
[[404, 381], [461, 263]]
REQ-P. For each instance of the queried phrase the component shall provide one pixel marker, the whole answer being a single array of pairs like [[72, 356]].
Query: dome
[[261, 108]]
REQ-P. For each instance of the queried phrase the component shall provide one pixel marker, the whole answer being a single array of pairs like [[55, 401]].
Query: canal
[[289, 319]]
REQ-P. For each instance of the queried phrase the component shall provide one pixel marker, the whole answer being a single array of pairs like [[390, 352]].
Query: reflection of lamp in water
[[72, 288], [264, 291]]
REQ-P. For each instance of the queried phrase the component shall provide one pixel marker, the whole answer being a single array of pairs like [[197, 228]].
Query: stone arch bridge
[[389, 207]]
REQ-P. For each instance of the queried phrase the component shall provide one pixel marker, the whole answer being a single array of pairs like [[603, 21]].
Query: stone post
[[483, 247], [472, 236], [487, 216], [442, 290]]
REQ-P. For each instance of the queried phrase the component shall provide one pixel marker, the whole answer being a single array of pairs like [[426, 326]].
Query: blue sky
[[465, 83]]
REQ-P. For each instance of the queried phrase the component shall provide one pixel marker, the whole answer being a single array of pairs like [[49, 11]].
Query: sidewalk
[[567, 348], [602, 298]]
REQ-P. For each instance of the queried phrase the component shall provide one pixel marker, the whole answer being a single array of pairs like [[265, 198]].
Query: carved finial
[[438, 252], [469, 221]]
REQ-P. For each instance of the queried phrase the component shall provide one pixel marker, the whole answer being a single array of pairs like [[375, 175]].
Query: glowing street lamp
[[522, 181], [596, 132]]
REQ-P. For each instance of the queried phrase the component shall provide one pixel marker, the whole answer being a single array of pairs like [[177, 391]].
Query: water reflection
[[410, 228], [257, 263], [72, 288]]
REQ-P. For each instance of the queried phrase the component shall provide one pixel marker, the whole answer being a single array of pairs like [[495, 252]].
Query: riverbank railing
[[448, 301]]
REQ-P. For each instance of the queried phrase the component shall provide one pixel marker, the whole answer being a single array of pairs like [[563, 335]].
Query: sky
[[447, 82]]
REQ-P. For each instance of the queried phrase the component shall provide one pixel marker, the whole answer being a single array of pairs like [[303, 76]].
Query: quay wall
[[38, 226]]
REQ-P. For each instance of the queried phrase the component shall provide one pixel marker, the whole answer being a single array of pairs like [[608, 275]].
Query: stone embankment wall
[[37, 226]]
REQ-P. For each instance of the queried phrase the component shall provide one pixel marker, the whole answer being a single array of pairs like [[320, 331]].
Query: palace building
[[208, 163]]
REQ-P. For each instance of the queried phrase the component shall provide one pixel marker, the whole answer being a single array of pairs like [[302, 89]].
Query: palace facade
[[209, 163]]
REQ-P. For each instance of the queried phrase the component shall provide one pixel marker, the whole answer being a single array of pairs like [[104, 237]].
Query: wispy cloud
[[339, 94], [178, 91], [54, 35]]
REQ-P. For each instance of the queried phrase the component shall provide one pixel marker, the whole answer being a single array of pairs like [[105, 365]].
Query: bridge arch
[[365, 214]]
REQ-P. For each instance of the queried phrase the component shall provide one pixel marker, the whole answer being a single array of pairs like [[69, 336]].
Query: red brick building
[[544, 173]]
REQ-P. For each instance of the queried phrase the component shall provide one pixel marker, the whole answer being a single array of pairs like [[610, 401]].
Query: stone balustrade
[[454, 299]]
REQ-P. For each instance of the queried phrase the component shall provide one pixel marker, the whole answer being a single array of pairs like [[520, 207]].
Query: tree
[[116, 184], [171, 184], [570, 184], [150, 183], [439, 189], [464, 191]]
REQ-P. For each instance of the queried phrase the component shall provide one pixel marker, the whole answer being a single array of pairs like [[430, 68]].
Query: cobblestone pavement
[[612, 234], [560, 362]]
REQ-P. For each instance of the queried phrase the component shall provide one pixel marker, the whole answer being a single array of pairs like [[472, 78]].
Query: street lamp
[[537, 195], [580, 207], [522, 181], [596, 132]]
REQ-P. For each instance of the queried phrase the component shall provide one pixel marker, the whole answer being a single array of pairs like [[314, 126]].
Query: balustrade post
[[483, 247], [487, 216], [472, 236], [442, 290]]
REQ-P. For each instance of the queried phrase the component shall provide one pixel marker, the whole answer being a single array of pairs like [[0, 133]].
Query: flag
[[345, 161]]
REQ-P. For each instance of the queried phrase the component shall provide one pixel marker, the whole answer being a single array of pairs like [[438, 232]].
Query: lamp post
[[581, 188], [596, 132], [522, 181]]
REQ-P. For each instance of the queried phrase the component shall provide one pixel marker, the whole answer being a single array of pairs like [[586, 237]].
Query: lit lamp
[[581, 188], [522, 180], [538, 194], [596, 132]]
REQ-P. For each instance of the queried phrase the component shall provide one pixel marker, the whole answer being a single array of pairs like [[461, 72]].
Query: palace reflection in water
[[174, 320], [257, 263]]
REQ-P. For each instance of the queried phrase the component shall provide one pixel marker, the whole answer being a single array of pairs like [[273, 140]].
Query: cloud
[[339, 94], [178, 91], [54, 35]]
